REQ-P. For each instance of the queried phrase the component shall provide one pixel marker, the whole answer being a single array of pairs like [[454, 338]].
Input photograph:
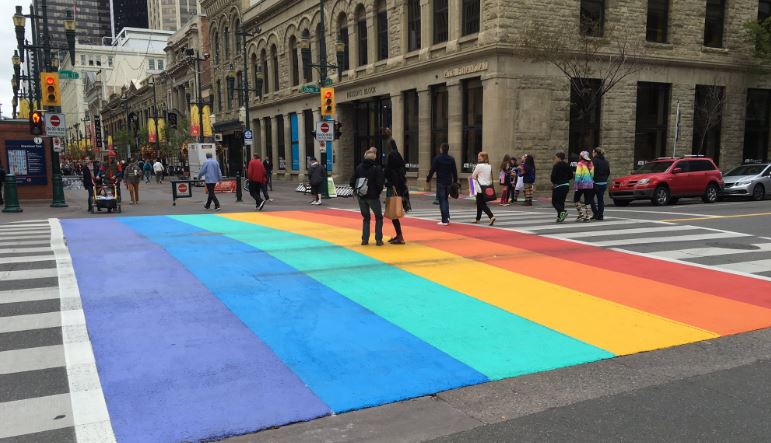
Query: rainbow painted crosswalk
[[213, 325]]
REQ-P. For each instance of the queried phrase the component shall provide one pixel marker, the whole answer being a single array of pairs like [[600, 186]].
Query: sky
[[7, 45]]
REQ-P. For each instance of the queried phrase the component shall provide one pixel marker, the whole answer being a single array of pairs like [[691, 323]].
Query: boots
[[583, 212]]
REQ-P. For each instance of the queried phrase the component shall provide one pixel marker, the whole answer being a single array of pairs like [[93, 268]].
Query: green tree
[[759, 34]]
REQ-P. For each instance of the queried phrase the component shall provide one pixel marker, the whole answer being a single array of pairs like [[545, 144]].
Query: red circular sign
[[324, 127], [182, 187], [55, 121]]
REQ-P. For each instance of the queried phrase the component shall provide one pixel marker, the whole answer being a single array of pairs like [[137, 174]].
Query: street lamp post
[[243, 87], [124, 101]]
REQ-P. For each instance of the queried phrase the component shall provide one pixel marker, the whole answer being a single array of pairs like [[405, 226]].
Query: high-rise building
[[128, 14], [92, 18], [171, 15]]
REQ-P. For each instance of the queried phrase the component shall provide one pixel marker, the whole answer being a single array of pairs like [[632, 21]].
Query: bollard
[[239, 189], [10, 194]]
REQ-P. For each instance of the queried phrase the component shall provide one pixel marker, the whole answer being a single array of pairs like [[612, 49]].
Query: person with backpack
[[147, 169], [561, 174], [133, 174], [601, 175], [367, 183], [315, 179], [584, 186], [515, 180], [528, 178]]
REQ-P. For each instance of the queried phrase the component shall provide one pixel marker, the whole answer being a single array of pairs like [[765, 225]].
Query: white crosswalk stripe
[[684, 254]]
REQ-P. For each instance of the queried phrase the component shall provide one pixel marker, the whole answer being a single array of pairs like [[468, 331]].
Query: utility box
[[196, 155]]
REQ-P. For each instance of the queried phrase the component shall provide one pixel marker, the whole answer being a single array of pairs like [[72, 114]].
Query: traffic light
[[51, 95], [327, 102], [36, 125], [338, 130]]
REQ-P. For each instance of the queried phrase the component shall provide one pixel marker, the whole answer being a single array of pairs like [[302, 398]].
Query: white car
[[751, 180]]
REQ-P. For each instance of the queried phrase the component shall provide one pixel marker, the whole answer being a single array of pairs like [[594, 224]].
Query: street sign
[[55, 125], [325, 131], [69, 75], [248, 138], [310, 89], [58, 146]]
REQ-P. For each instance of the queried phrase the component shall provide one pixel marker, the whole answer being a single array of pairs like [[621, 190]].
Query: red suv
[[665, 180]]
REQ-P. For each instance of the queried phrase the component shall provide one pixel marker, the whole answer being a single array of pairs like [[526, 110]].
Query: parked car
[[666, 180], [752, 180]]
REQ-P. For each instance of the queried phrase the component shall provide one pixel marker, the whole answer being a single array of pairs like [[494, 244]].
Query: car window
[[685, 166], [700, 165], [653, 167], [746, 170]]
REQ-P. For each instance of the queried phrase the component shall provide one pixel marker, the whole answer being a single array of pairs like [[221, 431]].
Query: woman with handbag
[[483, 175], [396, 187]]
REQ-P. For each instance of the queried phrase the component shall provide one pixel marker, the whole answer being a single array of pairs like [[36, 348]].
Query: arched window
[[255, 73], [238, 37], [216, 47], [265, 73], [274, 62], [294, 61], [382, 29], [344, 63], [226, 37], [361, 34]]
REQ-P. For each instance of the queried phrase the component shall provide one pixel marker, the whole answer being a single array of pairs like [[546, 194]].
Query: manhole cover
[[728, 245]]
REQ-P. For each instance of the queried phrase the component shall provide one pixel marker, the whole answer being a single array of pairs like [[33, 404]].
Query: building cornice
[[265, 10]]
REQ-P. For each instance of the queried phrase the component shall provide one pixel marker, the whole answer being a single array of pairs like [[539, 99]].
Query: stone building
[[460, 71], [171, 15]]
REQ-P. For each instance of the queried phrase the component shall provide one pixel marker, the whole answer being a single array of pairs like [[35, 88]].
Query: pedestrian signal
[[51, 94], [36, 125], [327, 102]]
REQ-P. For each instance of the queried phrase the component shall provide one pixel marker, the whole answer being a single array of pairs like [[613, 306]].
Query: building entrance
[[372, 116]]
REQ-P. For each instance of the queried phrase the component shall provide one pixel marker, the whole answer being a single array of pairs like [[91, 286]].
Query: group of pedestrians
[[591, 181]]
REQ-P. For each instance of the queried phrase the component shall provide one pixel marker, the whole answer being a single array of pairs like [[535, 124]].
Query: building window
[[585, 114], [268, 137], [310, 144], [83, 59], [110, 61], [382, 30], [411, 139], [757, 124], [439, 115], [265, 73], [361, 35], [764, 10], [413, 25], [342, 35], [472, 122], [237, 37], [658, 21], [281, 161], [151, 64], [216, 48], [592, 19], [714, 23], [226, 38], [160, 65], [470, 17], [650, 139], [440, 21], [294, 61], [708, 120], [219, 96], [319, 37], [255, 73], [274, 62]]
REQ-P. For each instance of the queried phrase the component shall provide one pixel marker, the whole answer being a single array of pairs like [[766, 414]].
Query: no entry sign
[[55, 126], [324, 131], [180, 189]]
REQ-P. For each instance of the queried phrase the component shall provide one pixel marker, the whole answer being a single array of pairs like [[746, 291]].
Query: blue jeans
[[373, 204], [442, 194], [598, 206]]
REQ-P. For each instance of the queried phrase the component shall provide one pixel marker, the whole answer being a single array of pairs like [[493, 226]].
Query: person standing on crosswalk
[[528, 177], [561, 174], [584, 186], [601, 175]]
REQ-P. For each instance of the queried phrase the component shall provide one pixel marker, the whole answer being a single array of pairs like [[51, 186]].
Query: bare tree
[[708, 113], [584, 58]]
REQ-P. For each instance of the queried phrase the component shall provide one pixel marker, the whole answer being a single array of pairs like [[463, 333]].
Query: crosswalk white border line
[[652, 255], [89, 408]]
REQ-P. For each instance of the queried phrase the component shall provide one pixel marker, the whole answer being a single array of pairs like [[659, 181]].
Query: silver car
[[753, 180]]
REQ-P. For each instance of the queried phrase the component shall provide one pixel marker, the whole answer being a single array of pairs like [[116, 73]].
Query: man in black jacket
[[88, 184], [601, 175], [371, 171], [446, 174], [561, 174]]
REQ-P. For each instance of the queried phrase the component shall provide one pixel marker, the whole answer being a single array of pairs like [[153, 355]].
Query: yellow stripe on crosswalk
[[611, 326]]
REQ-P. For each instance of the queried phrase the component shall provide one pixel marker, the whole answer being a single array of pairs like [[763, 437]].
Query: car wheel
[[710, 195], [661, 196], [621, 203], [758, 192], [674, 200]]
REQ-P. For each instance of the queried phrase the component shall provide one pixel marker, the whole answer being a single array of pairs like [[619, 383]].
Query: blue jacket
[[210, 171]]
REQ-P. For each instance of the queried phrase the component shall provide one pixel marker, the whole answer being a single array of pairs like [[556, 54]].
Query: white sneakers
[[316, 202]]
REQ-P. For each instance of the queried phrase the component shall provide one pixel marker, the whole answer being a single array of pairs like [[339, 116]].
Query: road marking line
[[42, 230], [31, 321], [12, 243], [753, 266], [31, 415], [31, 359], [669, 239], [24, 250], [533, 229], [657, 212], [684, 254], [623, 231], [89, 409], [25, 222], [26, 259], [16, 238], [718, 217], [22, 295], [27, 274]]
